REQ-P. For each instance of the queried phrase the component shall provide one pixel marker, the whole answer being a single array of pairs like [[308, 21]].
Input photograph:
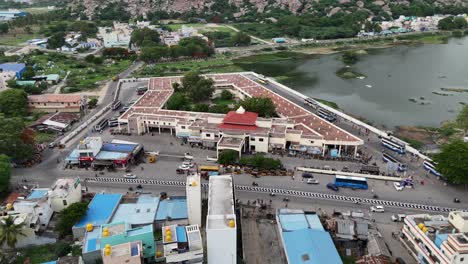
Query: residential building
[[29, 230], [128, 253], [100, 211], [182, 244], [56, 103], [221, 225], [437, 239], [304, 239], [38, 205], [10, 71], [297, 129], [193, 191], [172, 211], [137, 211], [65, 192], [117, 36]]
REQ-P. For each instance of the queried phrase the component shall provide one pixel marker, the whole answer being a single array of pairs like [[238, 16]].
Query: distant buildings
[[221, 225], [10, 71], [10, 14], [117, 36], [437, 239], [171, 38], [56, 103], [304, 239]]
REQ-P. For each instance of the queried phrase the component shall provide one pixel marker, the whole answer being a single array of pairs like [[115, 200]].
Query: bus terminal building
[[296, 129]]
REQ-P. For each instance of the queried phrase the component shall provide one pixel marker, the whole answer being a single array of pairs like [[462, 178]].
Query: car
[[332, 186], [307, 175], [130, 176], [398, 217], [312, 181], [377, 209], [184, 167], [52, 145], [398, 186], [456, 200]]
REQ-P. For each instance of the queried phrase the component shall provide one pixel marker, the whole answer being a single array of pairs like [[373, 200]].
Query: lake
[[395, 75]]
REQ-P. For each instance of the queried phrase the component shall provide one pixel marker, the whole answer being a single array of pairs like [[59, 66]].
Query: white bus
[[101, 125], [430, 166], [393, 145], [116, 105]]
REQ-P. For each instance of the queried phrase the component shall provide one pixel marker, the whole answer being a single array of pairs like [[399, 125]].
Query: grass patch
[[434, 39], [42, 137], [220, 101], [13, 39], [277, 56], [348, 73], [328, 103], [348, 259], [413, 142], [179, 26]]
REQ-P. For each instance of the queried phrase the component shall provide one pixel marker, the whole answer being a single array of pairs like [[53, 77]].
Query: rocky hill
[[239, 8]]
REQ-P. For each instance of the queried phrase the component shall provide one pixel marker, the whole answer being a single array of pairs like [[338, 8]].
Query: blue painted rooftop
[[50, 262], [305, 241], [140, 230], [91, 241], [174, 208], [118, 147], [141, 212], [111, 155], [37, 194], [14, 67], [308, 246], [73, 156], [181, 234], [100, 209]]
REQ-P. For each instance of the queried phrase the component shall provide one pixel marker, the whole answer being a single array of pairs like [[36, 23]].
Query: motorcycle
[[254, 184]]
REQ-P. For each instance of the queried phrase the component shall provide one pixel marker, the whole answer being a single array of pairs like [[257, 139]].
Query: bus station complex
[[296, 129]]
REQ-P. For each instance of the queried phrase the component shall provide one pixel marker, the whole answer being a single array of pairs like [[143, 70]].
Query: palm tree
[[9, 231]]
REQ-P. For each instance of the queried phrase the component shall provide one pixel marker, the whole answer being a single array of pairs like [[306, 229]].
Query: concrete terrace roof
[[141, 212], [160, 89], [54, 98], [173, 208]]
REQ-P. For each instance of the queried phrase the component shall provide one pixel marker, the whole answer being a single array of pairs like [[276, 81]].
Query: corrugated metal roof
[[100, 209], [111, 155], [118, 147], [13, 67], [174, 208]]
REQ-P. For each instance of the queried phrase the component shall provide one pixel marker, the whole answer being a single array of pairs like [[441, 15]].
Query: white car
[[130, 176], [184, 167], [377, 208], [398, 186], [312, 181], [187, 164]]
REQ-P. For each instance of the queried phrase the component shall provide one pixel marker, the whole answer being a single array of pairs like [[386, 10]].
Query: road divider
[[368, 176]]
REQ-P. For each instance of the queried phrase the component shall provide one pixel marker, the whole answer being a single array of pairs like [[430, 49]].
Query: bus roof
[[350, 178], [207, 167]]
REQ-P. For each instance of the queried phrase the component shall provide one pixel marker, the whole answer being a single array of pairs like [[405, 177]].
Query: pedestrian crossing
[[277, 191]]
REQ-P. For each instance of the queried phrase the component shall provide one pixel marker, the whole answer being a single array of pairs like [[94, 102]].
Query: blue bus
[[430, 166], [351, 182], [327, 115], [393, 145], [389, 158]]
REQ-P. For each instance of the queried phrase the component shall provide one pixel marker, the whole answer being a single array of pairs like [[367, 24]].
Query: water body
[[394, 76]]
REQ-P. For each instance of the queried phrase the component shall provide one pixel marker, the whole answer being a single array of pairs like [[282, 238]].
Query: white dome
[[241, 110]]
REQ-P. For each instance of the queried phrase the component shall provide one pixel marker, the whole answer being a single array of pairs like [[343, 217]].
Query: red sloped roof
[[238, 127], [234, 118]]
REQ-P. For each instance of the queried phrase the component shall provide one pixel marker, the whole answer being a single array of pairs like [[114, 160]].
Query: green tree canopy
[[451, 23], [14, 139], [350, 57], [240, 39], [261, 162], [452, 161], [57, 40], [197, 87], [69, 216], [178, 101], [263, 106], [28, 73], [228, 157], [144, 37], [5, 172], [13, 102], [462, 119], [9, 231], [226, 95], [4, 28]]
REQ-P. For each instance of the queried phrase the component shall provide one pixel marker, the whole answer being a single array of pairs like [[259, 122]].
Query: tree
[[240, 39], [462, 119], [5, 173], [13, 102], [226, 95], [197, 87], [92, 103], [263, 106], [4, 28], [90, 58], [9, 231], [178, 101], [28, 73], [350, 57], [144, 37], [57, 40], [69, 216], [451, 161], [228, 157], [14, 141], [201, 108]]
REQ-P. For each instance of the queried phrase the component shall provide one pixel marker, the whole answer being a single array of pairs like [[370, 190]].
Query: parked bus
[[113, 122], [394, 145], [116, 105], [101, 125], [430, 166], [310, 102], [389, 158], [210, 170], [351, 182], [327, 115]]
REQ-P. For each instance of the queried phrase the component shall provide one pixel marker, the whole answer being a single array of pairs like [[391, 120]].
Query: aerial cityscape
[[229, 132]]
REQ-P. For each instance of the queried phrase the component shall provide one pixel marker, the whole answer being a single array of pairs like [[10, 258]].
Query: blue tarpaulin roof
[[174, 208], [308, 246], [100, 209], [118, 147]]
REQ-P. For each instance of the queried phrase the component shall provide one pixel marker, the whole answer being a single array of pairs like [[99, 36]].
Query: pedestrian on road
[[372, 190]]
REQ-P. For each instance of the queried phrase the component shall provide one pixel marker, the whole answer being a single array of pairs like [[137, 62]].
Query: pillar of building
[[355, 151]]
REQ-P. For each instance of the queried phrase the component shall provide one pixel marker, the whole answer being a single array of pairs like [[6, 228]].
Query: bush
[[226, 95], [62, 249], [92, 103], [261, 162], [69, 216], [228, 157]]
